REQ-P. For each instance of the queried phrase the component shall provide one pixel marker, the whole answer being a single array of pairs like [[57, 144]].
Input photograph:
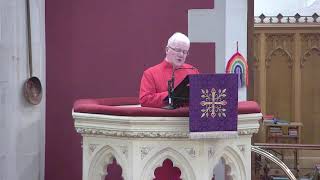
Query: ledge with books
[[281, 131]]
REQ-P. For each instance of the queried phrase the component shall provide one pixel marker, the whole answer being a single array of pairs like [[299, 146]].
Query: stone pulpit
[[122, 140]]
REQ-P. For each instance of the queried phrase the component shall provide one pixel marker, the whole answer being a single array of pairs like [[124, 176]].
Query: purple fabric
[[201, 100]]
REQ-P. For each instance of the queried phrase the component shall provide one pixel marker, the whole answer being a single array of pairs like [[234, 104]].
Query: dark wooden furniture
[[293, 147]]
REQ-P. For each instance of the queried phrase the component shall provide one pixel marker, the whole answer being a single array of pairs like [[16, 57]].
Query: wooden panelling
[[310, 99], [286, 74]]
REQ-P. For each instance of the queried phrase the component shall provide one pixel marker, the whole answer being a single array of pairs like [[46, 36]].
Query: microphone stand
[[171, 90], [171, 95]]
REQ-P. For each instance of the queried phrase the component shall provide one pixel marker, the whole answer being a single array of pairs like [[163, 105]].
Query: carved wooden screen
[[310, 91], [279, 76], [286, 70]]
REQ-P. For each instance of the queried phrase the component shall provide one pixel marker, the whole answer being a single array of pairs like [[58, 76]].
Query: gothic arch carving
[[308, 53], [103, 157], [281, 52], [178, 161], [233, 159], [309, 40]]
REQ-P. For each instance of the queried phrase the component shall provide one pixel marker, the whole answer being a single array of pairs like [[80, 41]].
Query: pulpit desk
[[142, 139]]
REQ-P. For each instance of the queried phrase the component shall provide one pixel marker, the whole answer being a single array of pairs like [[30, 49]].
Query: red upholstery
[[167, 171], [110, 106], [114, 171], [248, 107]]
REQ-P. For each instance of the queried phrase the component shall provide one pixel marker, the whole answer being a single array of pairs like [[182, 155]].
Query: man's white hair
[[178, 37]]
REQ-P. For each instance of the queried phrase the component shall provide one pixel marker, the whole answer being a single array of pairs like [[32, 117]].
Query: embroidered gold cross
[[213, 103]]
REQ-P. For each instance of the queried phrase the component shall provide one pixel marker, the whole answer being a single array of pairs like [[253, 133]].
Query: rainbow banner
[[237, 64]]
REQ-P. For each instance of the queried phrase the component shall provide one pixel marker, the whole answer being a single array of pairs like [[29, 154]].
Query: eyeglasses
[[185, 52]]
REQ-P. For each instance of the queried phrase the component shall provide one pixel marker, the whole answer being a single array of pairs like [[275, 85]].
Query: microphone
[[171, 85]]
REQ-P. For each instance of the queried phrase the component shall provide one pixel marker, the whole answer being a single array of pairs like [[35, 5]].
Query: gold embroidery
[[213, 103]]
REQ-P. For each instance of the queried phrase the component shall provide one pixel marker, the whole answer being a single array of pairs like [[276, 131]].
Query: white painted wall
[[208, 25], [21, 124], [236, 31], [225, 25]]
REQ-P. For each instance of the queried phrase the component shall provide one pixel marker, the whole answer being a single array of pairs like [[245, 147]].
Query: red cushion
[[248, 107], [111, 106]]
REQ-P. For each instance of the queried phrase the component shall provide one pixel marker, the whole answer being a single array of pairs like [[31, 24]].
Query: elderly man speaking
[[154, 82]]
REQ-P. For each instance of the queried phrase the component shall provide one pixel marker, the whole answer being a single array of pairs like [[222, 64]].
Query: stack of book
[[275, 131], [293, 132], [268, 119]]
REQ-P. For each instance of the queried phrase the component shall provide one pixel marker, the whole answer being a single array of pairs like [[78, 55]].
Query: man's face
[[177, 53]]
